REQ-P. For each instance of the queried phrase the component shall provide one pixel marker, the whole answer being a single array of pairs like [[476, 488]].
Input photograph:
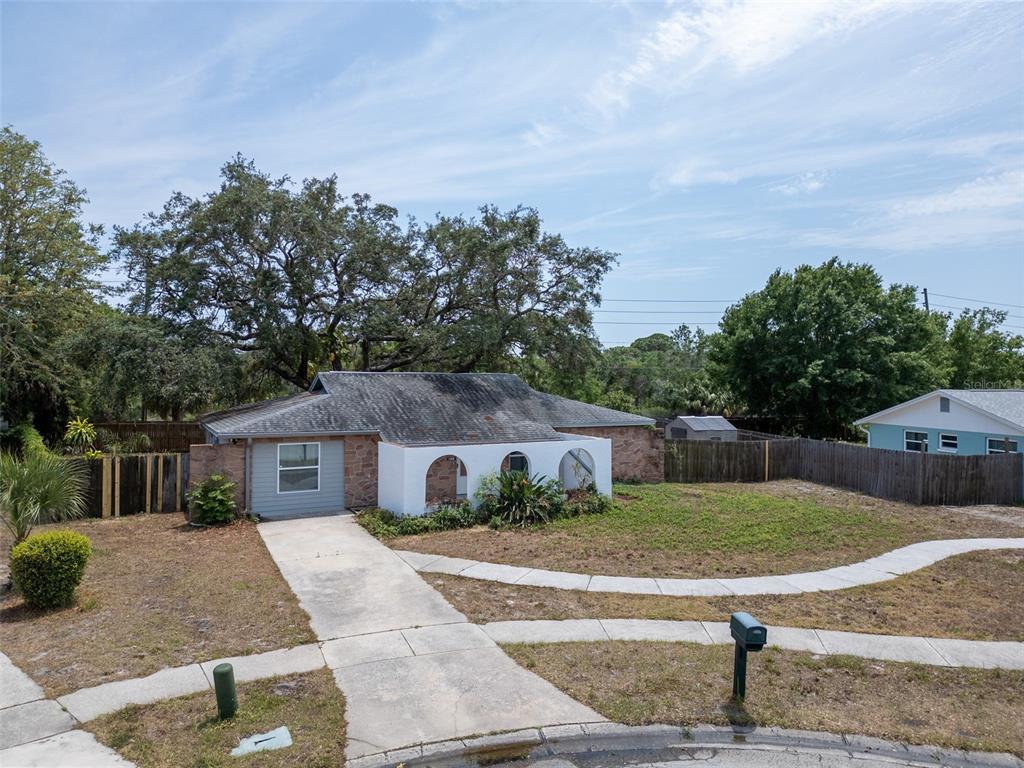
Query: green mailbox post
[[750, 635]]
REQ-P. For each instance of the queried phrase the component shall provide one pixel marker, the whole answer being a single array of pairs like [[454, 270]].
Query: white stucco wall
[[402, 471]]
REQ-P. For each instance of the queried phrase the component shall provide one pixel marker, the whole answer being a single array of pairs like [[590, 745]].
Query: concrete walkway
[[881, 568], [921, 650], [412, 668]]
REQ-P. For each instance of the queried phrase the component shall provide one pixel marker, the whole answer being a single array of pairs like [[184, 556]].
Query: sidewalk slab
[[720, 633], [442, 696], [416, 559], [90, 703], [287, 661], [380, 646], [31, 721], [538, 577], [984, 654], [450, 565], [816, 581], [546, 631], [888, 647], [759, 585], [630, 584], [508, 574], [795, 639], [15, 686], [73, 749], [446, 637], [666, 631], [693, 587]]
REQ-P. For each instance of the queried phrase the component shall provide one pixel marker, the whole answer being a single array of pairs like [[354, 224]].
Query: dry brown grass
[[678, 683], [156, 594], [720, 530], [186, 732], [975, 596]]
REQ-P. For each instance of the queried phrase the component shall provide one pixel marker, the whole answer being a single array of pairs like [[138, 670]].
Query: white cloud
[[744, 35], [1002, 190], [804, 184]]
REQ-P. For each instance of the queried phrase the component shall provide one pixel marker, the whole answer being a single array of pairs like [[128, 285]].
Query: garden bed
[[186, 731], [156, 593], [682, 683], [672, 530], [974, 596]]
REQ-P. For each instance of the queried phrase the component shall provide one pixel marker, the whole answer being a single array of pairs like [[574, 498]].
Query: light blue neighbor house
[[961, 421]]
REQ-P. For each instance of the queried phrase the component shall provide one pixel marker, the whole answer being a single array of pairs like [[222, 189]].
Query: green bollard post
[[224, 685]]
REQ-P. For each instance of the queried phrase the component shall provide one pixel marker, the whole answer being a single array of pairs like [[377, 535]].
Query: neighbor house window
[[948, 442], [298, 467], [678, 433], [944, 404], [915, 441], [1001, 445]]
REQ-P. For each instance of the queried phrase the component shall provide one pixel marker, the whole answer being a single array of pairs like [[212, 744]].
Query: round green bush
[[212, 501], [48, 567]]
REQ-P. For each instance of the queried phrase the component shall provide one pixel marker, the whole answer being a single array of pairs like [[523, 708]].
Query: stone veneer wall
[[638, 453], [226, 459], [442, 479], [361, 470]]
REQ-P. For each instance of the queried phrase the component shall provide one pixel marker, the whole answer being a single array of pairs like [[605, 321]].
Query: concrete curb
[[942, 652], [665, 742], [881, 568]]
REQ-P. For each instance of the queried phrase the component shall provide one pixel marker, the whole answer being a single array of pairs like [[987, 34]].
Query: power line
[[979, 301], [674, 301], [950, 306], [656, 312]]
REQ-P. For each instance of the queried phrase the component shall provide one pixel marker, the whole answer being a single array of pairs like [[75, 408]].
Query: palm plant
[[523, 500], [80, 434], [41, 488]]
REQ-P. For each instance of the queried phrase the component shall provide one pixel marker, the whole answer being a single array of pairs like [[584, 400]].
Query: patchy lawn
[[677, 683], [157, 593], [676, 530], [975, 596], [186, 731]]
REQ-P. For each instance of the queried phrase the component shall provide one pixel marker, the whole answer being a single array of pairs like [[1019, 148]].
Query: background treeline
[[246, 292]]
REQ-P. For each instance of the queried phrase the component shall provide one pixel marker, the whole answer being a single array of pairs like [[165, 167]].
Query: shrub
[[80, 434], [445, 517], [212, 501], [523, 500], [585, 501], [39, 488], [29, 441], [378, 522], [106, 440], [137, 442], [48, 567]]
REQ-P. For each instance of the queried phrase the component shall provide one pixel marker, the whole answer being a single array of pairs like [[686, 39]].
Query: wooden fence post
[[105, 505], [149, 483], [117, 486], [177, 482], [766, 461]]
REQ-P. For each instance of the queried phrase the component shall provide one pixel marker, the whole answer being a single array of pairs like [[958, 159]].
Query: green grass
[[684, 519]]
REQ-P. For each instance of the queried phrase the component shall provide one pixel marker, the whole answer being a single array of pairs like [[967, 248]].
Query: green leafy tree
[[826, 345], [981, 355], [48, 259], [304, 278]]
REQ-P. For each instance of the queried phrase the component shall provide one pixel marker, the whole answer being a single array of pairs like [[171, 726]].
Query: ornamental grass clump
[[39, 488], [522, 500], [48, 567]]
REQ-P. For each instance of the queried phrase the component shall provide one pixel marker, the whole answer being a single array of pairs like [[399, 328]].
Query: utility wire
[[979, 301]]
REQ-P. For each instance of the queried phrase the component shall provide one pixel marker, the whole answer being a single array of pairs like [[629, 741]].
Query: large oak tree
[[302, 277]]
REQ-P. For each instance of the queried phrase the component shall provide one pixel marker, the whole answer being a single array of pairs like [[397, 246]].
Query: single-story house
[[404, 441], [962, 421], [700, 428]]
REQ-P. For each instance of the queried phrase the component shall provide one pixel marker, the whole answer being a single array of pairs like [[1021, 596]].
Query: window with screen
[[298, 467]]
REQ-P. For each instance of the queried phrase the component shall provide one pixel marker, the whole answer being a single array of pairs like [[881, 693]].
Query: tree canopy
[[827, 345], [305, 278]]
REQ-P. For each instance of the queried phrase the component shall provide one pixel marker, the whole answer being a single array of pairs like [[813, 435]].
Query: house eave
[[869, 420]]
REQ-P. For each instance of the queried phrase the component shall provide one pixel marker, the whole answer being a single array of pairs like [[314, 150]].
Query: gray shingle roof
[[1006, 404], [706, 423], [419, 409]]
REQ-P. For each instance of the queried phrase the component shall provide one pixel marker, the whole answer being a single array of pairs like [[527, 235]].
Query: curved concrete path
[[881, 568], [943, 652], [412, 668]]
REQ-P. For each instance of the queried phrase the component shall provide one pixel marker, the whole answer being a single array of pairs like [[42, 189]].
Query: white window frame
[[517, 454], [319, 455], [952, 437], [1000, 442], [915, 432]]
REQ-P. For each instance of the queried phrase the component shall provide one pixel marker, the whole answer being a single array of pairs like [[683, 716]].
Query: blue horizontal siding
[[968, 443], [267, 502]]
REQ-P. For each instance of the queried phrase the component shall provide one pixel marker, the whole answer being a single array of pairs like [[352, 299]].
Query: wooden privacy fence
[[917, 478], [164, 436], [134, 483]]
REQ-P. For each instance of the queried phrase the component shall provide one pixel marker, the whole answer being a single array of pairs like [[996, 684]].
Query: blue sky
[[707, 143]]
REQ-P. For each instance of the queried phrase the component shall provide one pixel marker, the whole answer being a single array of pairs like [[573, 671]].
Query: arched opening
[[577, 469], [446, 480], [515, 462]]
